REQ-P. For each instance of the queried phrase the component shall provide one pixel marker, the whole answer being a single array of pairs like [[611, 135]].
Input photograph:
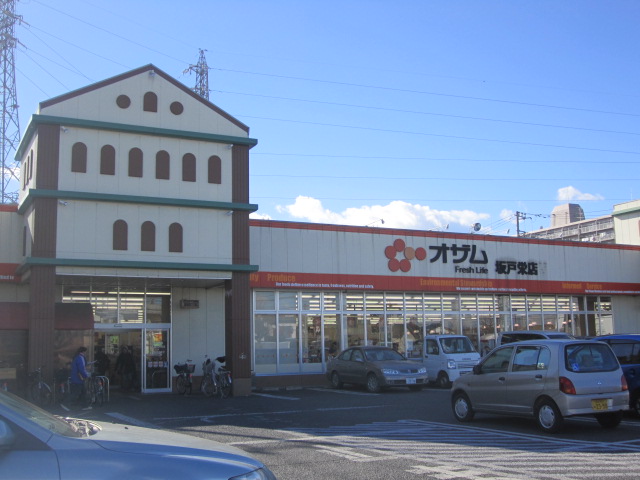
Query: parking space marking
[[279, 397], [446, 451], [344, 392], [131, 420]]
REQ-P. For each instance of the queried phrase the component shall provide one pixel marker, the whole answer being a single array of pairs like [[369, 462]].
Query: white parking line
[[345, 392], [275, 396], [131, 420]]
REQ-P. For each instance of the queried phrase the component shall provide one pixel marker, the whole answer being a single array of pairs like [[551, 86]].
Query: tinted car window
[[497, 361], [627, 353], [357, 356], [346, 355], [528, 358], [590, 357]]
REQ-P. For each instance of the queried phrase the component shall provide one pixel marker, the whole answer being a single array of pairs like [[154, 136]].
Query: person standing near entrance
[[78, 376], [126, 368]]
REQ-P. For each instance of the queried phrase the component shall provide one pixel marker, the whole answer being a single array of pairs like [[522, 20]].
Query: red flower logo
[[409, 253]]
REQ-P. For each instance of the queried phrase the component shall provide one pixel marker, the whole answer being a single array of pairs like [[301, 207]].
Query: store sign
[[466, 259], [8, 272], [189, 303]]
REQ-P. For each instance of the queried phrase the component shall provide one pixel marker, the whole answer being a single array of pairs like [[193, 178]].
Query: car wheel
[[335, 380], [548, 417], [635, 403], [462, 409], [373, 384], [443, 380], [610, 419]]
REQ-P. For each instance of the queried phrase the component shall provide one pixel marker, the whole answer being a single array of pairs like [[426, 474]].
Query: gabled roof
[[137, 71]]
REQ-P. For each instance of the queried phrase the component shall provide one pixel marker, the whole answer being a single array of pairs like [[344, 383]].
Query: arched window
[[162, 165], [135, 162], [215, 169], [175, 237], [120, 235], [148, 237], [108, 160], [79, 157], [150, 102], [189, 167]]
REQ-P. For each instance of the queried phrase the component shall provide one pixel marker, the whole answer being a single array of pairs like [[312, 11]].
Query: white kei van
[[447, 357]]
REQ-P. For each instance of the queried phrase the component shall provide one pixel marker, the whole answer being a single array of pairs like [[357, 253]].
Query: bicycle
[[209, 385], [61, 385], [95, 389], [184, 381], [39, 391], [223, 377]]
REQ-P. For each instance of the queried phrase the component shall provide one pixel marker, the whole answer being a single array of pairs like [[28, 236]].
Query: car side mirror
[[477, 369], [7, 437]]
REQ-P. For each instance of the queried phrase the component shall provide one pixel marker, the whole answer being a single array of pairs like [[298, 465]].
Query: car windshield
[[71, 428], [382, 355], [457, 345], [590, 357]]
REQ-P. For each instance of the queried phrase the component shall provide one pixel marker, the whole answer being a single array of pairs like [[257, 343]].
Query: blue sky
[[419, 113]]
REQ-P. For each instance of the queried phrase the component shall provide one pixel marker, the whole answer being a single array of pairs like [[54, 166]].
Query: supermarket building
[[132, 229]]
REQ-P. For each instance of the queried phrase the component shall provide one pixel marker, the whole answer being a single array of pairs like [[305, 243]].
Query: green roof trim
[[81, 262], [109, 197], [625, 211], [37, 119]]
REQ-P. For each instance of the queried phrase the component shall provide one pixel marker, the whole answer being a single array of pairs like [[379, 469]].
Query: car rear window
[[627, 353], [590, 357]]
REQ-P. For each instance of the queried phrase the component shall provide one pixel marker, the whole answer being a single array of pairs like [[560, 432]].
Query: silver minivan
[[546, 379]]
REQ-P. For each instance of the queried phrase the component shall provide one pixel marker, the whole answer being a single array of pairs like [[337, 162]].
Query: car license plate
[[600, 404], [411, 381]]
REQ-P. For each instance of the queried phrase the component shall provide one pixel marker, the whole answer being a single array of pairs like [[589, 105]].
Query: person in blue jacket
[[78, 376]]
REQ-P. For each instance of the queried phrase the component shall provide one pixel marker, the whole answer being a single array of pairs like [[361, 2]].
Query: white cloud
[[570, 193], [507, 215], [260, 216], [396, 214]]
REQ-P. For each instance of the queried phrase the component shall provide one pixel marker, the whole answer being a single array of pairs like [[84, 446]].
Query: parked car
[[627, 349], [376, 368], [522, 335], [546, 379], [36, 444], [447, 357]]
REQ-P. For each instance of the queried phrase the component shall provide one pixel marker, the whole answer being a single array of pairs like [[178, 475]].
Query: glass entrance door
[[156, 360]]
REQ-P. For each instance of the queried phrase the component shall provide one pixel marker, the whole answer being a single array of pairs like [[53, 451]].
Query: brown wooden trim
[[42, 304], [14, 315]]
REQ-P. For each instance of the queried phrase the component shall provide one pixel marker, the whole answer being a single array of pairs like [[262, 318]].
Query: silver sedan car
[[35, 444], [376, 368], [546, 379]]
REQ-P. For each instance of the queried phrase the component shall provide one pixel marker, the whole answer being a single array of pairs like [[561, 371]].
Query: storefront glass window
[[158, 307], [468, 303], [131, 306], [432, 302], [535, 321], [288, 300], [414, 336], [550, 321], [265, 300], [311, 301], [470, 329], [375, 329], [432, 324], [518, 304], [486, 303], [549, 303], [394, 302], [564, 304], [332, 335], [354, 302], [265, 343], [606, 316], [374, 302], [534, 303], [450, 303], [331, 301], [355, 330], [519, 321], [451, 324], [288, 343], [487, 332], [312, 343], [396, 334], [413, 303]]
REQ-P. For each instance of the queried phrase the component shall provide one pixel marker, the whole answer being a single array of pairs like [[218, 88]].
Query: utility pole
[[519, 216], [10, 122], [202, 75]]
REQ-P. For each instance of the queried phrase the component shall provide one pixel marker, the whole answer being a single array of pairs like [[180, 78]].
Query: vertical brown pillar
[[42, 279], [238, 294]]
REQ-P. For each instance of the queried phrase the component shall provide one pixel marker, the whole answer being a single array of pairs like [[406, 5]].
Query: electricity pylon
[[10, 122], [202, 75]]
